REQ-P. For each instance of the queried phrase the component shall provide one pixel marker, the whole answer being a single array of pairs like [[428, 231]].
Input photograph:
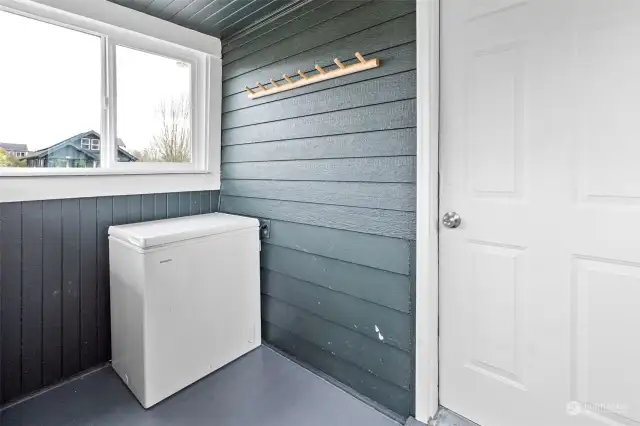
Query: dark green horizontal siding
[[332, 166], [396, 60], [387, 254], [402, 196], [354, 145], [371, 386], [381, 287], [392, 365], [381, 90], [392, 115], [54, 276], [350, 311], [376, 169], [389, 223], [387, 32]]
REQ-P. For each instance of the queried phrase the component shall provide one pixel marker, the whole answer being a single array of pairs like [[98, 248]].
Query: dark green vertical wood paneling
[[70, 287], [134, 208], [184, 206], [173, 205], [104, 216], [54, 282], [52, 292], [88, 282], [332, 165], [120, 210], [11, 257], [196, 207], [160, 201], [31, 296], [148, 207], [205, 202]]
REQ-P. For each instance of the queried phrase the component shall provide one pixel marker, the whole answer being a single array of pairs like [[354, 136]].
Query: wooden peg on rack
[[339, 64], [303, 75], [286, 77], [251, 92], [320, 69], [274, 83], [260, 86], [360, 58]]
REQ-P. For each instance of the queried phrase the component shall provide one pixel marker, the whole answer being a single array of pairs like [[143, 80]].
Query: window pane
[[50, 80], [153, 107]]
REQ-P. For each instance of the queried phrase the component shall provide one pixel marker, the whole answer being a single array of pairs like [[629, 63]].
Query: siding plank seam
[[288, 160], [321, 136], [320, 204], [407, 313], [409, 98]]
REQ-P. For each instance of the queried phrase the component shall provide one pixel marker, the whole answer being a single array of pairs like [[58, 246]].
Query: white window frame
[[85, 143], [198, 66], [94, 144], [118, 25]]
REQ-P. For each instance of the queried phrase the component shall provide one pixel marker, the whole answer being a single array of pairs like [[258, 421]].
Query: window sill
[[101, 183], [60, 172]]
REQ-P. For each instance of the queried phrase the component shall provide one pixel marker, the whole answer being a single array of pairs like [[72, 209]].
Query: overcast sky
[[50, 85]]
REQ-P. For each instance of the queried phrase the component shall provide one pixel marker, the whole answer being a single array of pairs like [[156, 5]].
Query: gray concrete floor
[[446, 417], [262, 388]]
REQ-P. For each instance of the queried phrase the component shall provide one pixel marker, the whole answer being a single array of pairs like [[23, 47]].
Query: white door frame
[[426, 295]]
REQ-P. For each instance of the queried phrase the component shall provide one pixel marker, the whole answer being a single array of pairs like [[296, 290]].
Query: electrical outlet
[[265, 229]]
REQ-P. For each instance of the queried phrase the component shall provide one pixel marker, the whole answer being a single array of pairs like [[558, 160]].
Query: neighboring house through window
[[79, 151], [17, 150]]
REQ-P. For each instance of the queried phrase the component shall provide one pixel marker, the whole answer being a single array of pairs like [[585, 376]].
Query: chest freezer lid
[[167, 231]]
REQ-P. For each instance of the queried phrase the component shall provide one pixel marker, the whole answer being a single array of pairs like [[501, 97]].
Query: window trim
[[117, 25], [199, 68]]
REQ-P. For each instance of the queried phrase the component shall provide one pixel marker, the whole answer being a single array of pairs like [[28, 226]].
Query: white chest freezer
[[185, 299]]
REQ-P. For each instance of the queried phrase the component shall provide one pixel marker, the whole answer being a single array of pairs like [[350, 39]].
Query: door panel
[[540, 150]]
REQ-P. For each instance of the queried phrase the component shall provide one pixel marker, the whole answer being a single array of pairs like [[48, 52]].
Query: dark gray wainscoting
[[54, 281]]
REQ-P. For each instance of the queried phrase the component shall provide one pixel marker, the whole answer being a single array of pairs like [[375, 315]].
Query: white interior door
[[540, 156]]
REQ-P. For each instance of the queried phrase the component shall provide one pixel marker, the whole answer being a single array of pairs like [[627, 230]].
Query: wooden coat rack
[[305, 80]]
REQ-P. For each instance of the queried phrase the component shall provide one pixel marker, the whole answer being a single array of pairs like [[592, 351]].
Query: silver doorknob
[[451, 220]]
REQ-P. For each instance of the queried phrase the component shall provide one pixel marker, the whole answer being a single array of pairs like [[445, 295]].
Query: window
[[90, 144], [154, 106], [85, 143], [60, 102], [146, 99]]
